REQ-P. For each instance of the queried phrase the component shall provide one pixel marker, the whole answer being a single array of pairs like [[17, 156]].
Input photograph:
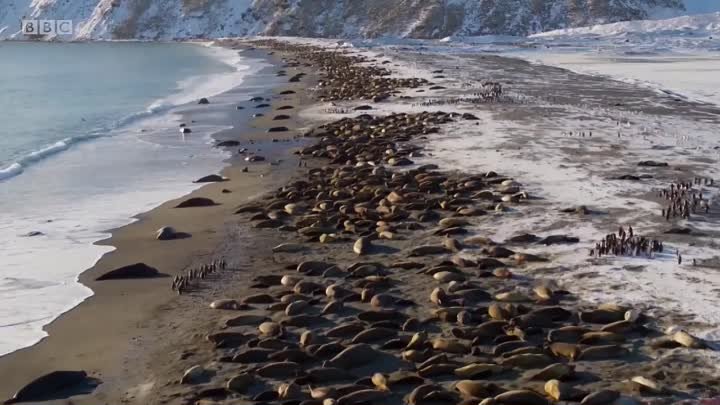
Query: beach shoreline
[[56, 212], [106, 324]]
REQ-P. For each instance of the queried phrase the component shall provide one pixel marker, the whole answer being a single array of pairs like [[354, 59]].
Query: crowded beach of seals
[[380, 286], [381, 294]]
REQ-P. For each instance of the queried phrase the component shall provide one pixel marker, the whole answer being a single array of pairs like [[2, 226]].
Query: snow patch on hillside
[[696, 25]]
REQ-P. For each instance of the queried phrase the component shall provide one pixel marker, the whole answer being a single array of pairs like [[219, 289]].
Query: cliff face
[[175, 19]]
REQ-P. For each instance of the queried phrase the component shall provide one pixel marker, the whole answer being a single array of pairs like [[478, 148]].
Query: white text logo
[[47, 27]]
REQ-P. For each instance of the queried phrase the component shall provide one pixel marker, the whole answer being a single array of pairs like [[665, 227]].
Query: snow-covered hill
[[681, 34], [704, 25], [170, 19]]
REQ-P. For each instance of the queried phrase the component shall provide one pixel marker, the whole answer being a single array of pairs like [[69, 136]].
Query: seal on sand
[[137, 270], [45, 386], [525, 397], [354, 356]]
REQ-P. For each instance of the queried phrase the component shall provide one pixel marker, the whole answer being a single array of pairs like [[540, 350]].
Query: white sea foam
[[12, 170], [193, 88], [73, 199], [188, 90]]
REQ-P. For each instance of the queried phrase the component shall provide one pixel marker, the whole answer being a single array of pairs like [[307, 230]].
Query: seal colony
[[383, 288], [383, 293]]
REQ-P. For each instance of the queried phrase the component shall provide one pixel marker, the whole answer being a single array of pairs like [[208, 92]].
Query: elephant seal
[[362, 246], [346, 330], [478, 370], [645, 385], [473, 388], [567, 334], [374, 334], [602, 397], [449, 346], [688, 340], [283, 369], [557, 371], [44, 386], [133, 271], [563, 392], [517, 397], [246, 320], [240, 383], [602, 352], [251, 356], [362, 396], [568, 351], [354, 356], [528, 361], [270, 329]]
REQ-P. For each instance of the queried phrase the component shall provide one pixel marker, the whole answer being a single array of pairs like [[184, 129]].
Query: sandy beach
[[422, 229], [108, 331]]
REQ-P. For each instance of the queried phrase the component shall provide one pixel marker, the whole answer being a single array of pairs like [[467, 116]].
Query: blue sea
[[89, 138]]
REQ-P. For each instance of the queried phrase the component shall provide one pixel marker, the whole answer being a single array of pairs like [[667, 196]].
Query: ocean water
[[88, 138]]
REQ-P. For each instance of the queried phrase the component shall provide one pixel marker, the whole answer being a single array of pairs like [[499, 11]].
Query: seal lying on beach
[[43, 388], [137, 270]]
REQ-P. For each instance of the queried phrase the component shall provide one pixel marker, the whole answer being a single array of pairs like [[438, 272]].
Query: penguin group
[[683, 200], [626, 243], [490, 92], [578, 133], [181, 283], [336, 111]]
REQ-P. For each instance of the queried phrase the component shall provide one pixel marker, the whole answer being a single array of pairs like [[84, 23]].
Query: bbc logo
[[47, 27]]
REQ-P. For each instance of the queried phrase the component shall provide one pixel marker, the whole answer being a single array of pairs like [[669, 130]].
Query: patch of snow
[[696, 25]]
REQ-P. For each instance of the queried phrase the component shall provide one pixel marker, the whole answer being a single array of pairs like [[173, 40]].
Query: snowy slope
[[696, 25], [171, 19]]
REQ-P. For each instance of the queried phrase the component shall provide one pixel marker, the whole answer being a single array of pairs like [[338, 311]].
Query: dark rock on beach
[[196, 202], [137, 270]]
